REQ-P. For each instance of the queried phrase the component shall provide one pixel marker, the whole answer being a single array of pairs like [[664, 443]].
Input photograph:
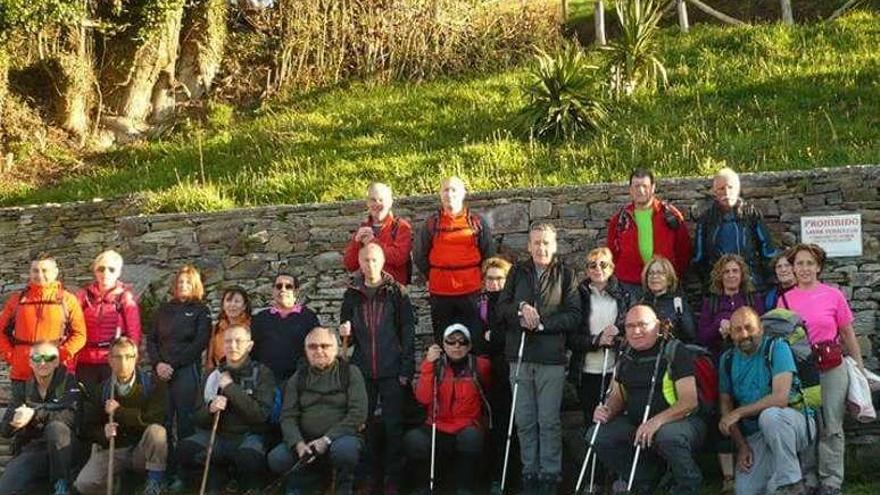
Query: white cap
[[457, 327]]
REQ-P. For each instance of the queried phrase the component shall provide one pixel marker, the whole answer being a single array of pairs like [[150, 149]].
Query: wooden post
[[683, 23], [599, 19], [787, 17], [564, 6]]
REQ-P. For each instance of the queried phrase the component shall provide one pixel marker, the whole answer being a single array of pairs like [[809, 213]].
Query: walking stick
[[112, 440], [583, 472], [632, 472], [271, 487], [434, 428], [210, 450], [519, 358]]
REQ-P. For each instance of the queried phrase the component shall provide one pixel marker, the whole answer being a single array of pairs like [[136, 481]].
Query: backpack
[[250, 383], [625, 220], [395, 227], [705, 374], [787, 325], [475, 223], [59, 300], [300, 376], [472, 369]]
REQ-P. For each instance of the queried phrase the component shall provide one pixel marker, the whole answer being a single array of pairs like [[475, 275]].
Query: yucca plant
[[562, 95], [634, 56]]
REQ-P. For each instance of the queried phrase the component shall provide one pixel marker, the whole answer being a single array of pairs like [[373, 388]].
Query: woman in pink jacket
[[109, 307]]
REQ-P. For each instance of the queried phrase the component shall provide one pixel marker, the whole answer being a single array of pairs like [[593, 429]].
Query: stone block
[[328, 261], [540, 208], [573, 210], [506, 218]]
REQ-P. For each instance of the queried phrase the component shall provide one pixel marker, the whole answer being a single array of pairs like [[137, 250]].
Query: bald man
[[450, 252], [392, 234], [730, 225]]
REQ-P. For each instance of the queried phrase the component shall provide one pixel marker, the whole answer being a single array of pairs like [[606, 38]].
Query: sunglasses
[[495, 279], [457, 343], [108, 269], [598, 264], [315, 347], [283, 286], [43, 358]]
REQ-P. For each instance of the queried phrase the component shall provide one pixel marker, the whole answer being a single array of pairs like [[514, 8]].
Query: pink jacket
[[103, 313]]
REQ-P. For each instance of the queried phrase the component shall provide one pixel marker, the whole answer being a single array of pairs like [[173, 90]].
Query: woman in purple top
[[730, 288], [829, 322]]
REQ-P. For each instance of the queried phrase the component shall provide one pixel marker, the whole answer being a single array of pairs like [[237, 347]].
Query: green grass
[[757, 98]]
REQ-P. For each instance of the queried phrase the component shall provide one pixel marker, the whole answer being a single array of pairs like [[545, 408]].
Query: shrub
[[561, 96], [634, 55]]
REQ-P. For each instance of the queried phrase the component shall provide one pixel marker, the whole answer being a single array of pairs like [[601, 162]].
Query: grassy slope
[[761, 98]]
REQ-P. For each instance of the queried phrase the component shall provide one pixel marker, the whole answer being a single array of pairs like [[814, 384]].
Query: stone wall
[[247, 246]]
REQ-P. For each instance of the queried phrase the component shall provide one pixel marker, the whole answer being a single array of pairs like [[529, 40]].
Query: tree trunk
[[138, 57], [74, 80], [202, 41], [4, 82]]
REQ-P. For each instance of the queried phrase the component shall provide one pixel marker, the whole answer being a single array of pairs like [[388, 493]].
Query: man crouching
[[138, 406]]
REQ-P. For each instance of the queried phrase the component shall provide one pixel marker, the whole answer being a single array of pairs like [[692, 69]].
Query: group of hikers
[[270, 398]]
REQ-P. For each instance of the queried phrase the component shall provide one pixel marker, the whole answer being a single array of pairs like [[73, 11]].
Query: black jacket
[[683, 326], [383, 328], [581, 340], [144, 405], [279, 342], [60, 404], [250, 399], [180, 333], [555, 297]]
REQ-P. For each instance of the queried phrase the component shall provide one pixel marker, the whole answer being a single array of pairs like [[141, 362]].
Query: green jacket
[[249, 401], [144, 405], [318, 404]]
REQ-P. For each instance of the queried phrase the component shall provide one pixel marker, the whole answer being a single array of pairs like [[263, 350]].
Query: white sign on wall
[[838, 235]]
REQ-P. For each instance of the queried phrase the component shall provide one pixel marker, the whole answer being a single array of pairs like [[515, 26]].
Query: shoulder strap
[[395, 226], [784, 300], [669, 215]]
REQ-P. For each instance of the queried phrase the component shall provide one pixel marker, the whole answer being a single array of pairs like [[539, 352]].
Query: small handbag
[[829, 354]]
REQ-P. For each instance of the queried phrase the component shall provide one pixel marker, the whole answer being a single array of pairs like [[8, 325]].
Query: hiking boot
[[547, 487], [61, 488], [791, 489], [152, 487]]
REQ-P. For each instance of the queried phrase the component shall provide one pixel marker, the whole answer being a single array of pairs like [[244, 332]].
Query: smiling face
[[456, 346], [731, 277], [542, 246], [642, 328], [284, 292], [452, 193], [784, 272], [599, 268], [745, 330], [657, 278], [233, 305], [107, 268], [43, 272], [44, 360], [806, 268], [379, 201], [641, 190]]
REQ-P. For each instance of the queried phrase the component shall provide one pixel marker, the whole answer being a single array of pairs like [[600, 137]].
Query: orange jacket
[[39, 315]]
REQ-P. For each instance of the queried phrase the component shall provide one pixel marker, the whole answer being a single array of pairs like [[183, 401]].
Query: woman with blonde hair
[[661, 292]]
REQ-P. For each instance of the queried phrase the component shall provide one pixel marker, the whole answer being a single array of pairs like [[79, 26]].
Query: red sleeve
[[350, 258], [612, 238], [76, 339], [425, 384], [683, 247], [398, 250], [484, 369], [131, 314], [8, 312]]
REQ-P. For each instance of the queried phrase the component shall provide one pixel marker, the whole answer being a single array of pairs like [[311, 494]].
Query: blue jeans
[[675, 445], [243, 454], [343, 457]]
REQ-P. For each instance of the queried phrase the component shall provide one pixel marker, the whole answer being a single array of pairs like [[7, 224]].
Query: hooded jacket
[[460, 403], [40, 313], [104, 312], [555, 296], [383, 328]]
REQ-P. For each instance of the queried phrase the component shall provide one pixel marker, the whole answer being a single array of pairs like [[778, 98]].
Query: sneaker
[[153, 487], [61, 488]]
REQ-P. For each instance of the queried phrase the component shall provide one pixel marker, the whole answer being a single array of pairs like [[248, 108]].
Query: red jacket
[[103, 313], [671, 240], [459, 403], [39, 315], [395, 237]]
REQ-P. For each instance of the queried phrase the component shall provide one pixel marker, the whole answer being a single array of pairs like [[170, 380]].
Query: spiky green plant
[[562, 96], [634, 56]]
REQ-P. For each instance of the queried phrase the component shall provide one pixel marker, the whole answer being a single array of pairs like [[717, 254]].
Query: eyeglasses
[[236, 342], [657, 273], [120, 357], [494, 279], [283, 286], [43, 358], [641, 325], [598, 264], [457, 343], [315, 347], [108, 269]]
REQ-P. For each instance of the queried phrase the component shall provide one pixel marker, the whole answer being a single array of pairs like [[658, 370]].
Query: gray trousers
[[782, 435], [835, 383], [538, 420], [151, 453], [47, 457], [675, 445]]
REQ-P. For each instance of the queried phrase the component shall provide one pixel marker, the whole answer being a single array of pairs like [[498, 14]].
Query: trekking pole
[[434, 430], [210, 451], [271, 487], [519, 358], [632, 471], [596, 425], [112, 440]]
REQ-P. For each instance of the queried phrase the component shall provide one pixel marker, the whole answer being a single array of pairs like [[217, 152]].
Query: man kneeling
[[767, 433], [238, 395], [458, 400], [138, 408], [325, 405], [672, 435]]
